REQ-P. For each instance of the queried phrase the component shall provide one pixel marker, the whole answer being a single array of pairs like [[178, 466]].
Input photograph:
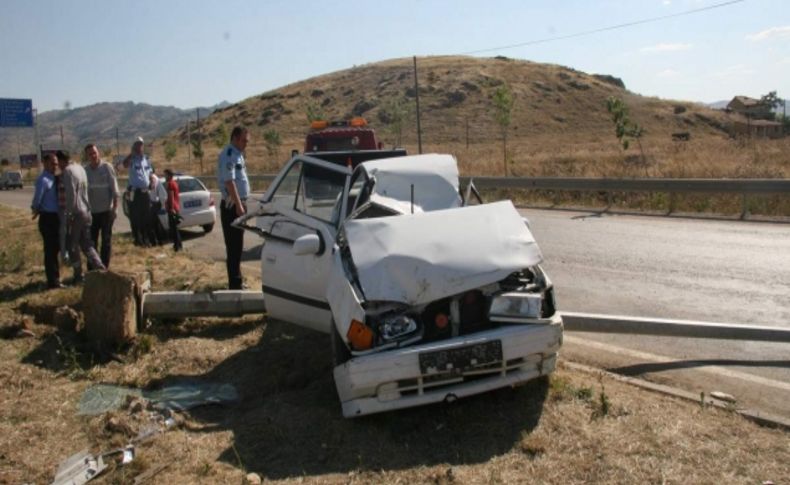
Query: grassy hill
[[560, 125]]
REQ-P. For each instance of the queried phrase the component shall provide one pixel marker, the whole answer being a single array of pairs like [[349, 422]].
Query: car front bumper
[[393, 379]]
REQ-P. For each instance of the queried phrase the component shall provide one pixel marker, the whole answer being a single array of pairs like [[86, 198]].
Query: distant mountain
[[97, 123], [718, 104]]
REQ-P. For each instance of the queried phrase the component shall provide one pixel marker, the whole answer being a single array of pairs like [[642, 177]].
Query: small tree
[[272, 140], [5, 162], [625, 129], [503, 114], [395, 113], [771, 100], [314, 112], [170, 151], [197, 150], [220, 136]]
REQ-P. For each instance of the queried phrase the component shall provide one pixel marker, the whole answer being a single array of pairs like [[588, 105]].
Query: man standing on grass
[[45, 207], [103, 198], [78, 217], [173, 206], [63, 228], [140, 183], [235, 187]]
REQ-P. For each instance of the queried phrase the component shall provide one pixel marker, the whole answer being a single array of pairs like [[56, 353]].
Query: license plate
[[191, 203], [461, 358]]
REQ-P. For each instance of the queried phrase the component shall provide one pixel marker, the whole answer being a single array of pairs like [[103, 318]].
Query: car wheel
[[207, 228], [340, 353]]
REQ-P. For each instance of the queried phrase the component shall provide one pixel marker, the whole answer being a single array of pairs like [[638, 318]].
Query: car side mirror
[[308, 244]]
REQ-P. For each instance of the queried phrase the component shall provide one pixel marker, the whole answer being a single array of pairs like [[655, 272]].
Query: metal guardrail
[[744, 187], [587, 322], [740, 186]]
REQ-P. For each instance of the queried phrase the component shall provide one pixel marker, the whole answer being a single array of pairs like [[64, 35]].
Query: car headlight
[[516, 305], [393, 327]]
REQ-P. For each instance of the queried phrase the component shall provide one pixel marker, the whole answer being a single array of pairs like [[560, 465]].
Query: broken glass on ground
[[79, 468], [180, 396]]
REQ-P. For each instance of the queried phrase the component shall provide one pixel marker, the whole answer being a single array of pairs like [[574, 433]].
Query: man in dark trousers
[[138, 194], [173, 206], [235, 187], [45, 207], [103, 198]]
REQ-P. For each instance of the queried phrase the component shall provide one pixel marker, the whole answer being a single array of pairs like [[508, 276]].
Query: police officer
[[140, 182], [235, 187]]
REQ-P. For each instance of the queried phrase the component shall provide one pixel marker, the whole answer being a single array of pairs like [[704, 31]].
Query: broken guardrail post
[[224, 303], [586, 322], [111, 305]]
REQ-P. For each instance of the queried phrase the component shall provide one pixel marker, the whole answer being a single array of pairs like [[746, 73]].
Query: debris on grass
[[181, 396]]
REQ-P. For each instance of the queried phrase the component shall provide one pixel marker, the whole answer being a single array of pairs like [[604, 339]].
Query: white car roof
[[433, 176]]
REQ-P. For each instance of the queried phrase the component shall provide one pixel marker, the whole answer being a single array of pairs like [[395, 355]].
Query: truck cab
[[347, 143]]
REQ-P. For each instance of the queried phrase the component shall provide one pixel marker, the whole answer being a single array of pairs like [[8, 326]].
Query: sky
[[189, 53]]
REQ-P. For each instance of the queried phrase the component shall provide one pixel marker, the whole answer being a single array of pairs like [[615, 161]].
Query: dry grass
[[287, 426]]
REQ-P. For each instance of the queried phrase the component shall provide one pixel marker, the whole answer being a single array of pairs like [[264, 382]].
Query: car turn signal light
[[360, 336]]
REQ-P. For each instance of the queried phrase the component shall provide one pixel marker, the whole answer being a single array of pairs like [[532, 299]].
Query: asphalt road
[[725, 271]]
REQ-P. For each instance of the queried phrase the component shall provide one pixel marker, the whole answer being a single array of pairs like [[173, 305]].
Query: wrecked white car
[[427, 298]]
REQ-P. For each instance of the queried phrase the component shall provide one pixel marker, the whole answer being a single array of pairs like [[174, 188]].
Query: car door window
[[319, 192], [312, 190], [285, 195]]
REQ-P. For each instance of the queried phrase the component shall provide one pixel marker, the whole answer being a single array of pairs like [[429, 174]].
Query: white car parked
[[197, 204], [11, 179], [426, 297]]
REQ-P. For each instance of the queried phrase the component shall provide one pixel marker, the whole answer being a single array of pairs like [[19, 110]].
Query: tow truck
[[346, 143]]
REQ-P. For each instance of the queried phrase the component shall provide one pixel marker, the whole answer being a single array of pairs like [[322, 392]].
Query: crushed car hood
[[433, 178], [422, 257]]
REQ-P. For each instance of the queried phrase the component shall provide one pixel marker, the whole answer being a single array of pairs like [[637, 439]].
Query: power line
[[604, 29]]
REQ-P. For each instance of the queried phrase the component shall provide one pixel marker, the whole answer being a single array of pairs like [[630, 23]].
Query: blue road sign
[[16, 113]]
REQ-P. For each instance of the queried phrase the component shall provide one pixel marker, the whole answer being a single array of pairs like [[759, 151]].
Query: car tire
[[207, 228], [340, 353]]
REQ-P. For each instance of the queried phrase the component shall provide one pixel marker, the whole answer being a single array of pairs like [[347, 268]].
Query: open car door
[[298, 219]]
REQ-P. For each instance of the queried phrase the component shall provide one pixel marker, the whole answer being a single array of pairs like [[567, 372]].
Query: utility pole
[[61, 137], [117, 143], [200, 140], [417, 98], [35, 124], [189, 147]]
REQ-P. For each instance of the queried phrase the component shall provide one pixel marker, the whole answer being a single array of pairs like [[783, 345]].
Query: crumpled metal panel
[[434, 177], [423, 257]]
